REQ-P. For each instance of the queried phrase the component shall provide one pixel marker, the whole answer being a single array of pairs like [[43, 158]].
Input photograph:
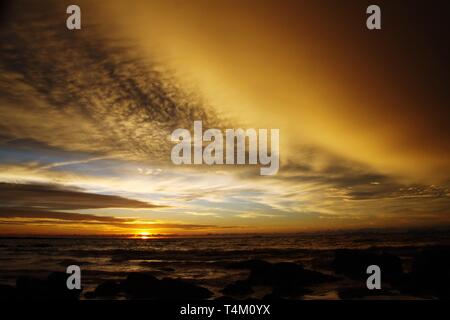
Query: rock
[[354, 263], [90, 295], [54, 287], [286, 278], [430, 273], [274, 295], [178, 289], [238, 288], [7, 292], [224, 298], [57, 286], [146, 286], [349, 293], [432, 263], [140, 285], [286, 274], [293, 291], [259, 270], [261, 274], [107, 289], [31, 288]]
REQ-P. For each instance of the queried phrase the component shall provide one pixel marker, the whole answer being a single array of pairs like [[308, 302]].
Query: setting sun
[[143, 235]]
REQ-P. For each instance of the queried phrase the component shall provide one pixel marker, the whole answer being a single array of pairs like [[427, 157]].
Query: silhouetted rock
[[360, 292], [146, 286], [290, 273], [224, 298], [90, 295], [260, 273], [7, 292], [57, 284], [106, 289], [238, 288], [289, 279], [290, 290], [54, 287], [274, 295], [140, 285], [286, 274], [31, 288], [179, 289], [354, 263], [431, 273], [286, 278]]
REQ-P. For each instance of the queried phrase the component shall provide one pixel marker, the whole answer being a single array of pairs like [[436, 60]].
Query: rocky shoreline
[[427, 277]]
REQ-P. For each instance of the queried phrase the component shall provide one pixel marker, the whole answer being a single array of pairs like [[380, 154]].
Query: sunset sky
[[86, 116]]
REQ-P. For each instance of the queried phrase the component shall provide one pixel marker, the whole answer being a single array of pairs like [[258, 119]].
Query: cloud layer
[[85, 118]]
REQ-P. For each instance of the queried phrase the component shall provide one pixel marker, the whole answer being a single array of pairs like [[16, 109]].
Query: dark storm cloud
[[57, 198], [42, 214]]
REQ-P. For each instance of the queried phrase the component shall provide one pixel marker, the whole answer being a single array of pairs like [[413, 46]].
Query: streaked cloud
[[56, 198]]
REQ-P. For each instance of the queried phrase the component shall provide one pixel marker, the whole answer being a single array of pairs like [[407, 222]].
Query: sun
[[143, 234]]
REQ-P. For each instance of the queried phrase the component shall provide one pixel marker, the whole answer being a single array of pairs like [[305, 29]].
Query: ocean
[[205, 261]]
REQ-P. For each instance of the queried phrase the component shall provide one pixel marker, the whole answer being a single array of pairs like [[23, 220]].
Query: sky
[[86, 116]]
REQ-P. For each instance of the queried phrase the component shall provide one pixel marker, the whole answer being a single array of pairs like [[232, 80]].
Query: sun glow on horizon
[[143, 235]]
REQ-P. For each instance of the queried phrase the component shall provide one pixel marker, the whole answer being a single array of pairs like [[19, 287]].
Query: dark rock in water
[[178, 289], [7, 292], [265, 273], [54, 287], [432, 263], [431, 273], [238, 288], [90, 295], [31, 288], [354, 263], [286, 274], [106, 289], [224, 298], [146, 286], [289, 279], [140, 285], [285, 291], [274, 295], [286, 278], [57, 285], [360, 293]]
